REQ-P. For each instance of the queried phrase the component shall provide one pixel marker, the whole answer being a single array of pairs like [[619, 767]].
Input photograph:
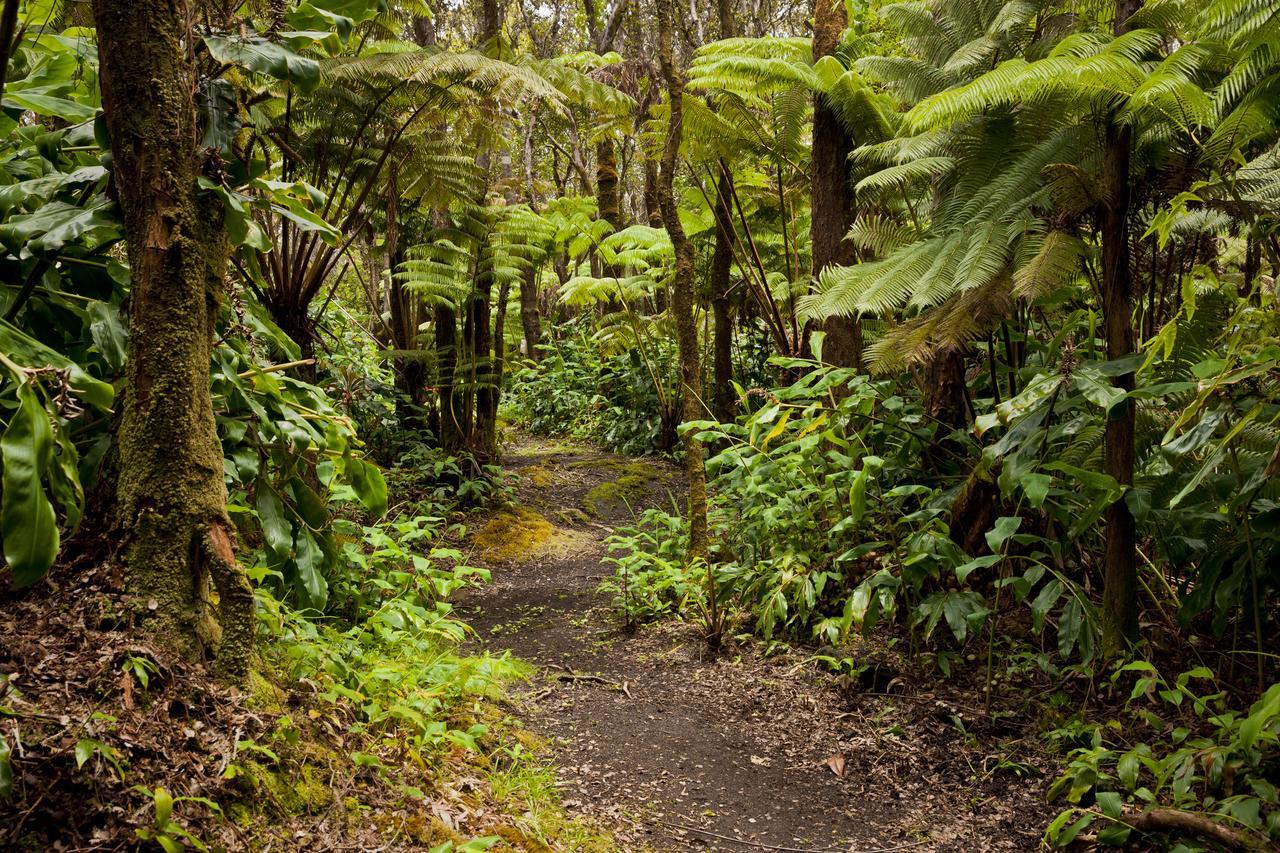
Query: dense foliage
[[971, 307]]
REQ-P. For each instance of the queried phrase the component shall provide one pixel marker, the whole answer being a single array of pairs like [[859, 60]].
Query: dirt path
[[678, 752]]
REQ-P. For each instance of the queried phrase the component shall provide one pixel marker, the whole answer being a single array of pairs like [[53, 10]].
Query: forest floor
[[673, 749]]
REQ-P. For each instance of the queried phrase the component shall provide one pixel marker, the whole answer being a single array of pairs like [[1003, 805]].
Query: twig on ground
[[1177, 820]]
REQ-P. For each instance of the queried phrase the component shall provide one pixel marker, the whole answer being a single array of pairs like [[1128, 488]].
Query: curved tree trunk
[[682, 288], [172, 500]]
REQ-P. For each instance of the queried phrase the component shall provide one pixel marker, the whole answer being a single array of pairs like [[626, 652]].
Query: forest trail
[[675, 751]]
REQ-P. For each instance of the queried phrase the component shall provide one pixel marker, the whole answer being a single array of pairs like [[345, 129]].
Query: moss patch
[[513, 534], [519, 534], [538, 477], [619, 493]]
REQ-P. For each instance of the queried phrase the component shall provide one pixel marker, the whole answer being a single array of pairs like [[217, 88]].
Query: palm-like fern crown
[[1002, 139], [501, 243]]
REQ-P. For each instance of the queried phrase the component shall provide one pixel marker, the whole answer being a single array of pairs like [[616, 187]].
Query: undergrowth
[[366, 722]]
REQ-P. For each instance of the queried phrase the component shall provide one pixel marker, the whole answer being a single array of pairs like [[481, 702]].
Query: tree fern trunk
[[832, 197], [1120, 572], [530, 318], [452, 419], [721, 266], [172, 499], [721, 308]]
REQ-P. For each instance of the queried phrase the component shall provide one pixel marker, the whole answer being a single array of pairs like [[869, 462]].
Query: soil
[[675, 749]]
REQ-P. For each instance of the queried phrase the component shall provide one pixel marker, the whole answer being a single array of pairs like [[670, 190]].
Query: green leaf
[[1127, 770], [1005, 527], [84, 750], [107, 329], [6, 769], [49, 105], [57, 223], [1264, 711], [1044, 602], [29, 352], [367, 482], [1068, 835], [963, 572], [164, 806], [1036, 487], [276, 529], [64, 480], [28, 523], [1096, 389], [858, 494], [1111, 803], [261, 56], [309, 560]]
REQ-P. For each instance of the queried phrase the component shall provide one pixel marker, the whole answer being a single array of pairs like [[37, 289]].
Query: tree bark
[[478, 329], [453, 422], [721, 267], [682, 287], [1120, 567], [832, 196], [172, 499], [608, 198], [530, 317]]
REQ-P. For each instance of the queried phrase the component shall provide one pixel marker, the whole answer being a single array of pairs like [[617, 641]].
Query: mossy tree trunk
[[682, 287], [172, 499]]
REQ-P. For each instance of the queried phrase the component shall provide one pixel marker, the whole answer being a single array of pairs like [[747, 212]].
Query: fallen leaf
[[836, 763], [759, 762]]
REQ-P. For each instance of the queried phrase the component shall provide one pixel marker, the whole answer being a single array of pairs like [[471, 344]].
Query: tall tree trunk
[[608, 204], [478, 329], [608, 197], [530, 318], [1120, 568], [832, 197], [172, 499], [682, 287], [721, 309], [453, 423], [408, 365], [721, 266], [653, 210]]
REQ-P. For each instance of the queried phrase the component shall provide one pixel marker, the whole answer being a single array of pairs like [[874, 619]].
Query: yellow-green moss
[[538, 477], [263, 695], [287, 792], [613, 494], [512, 534], [519, 533]]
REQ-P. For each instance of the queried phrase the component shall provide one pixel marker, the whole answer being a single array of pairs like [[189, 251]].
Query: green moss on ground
[[618, 493], [538, 477], [519, 533], [512, 534]]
